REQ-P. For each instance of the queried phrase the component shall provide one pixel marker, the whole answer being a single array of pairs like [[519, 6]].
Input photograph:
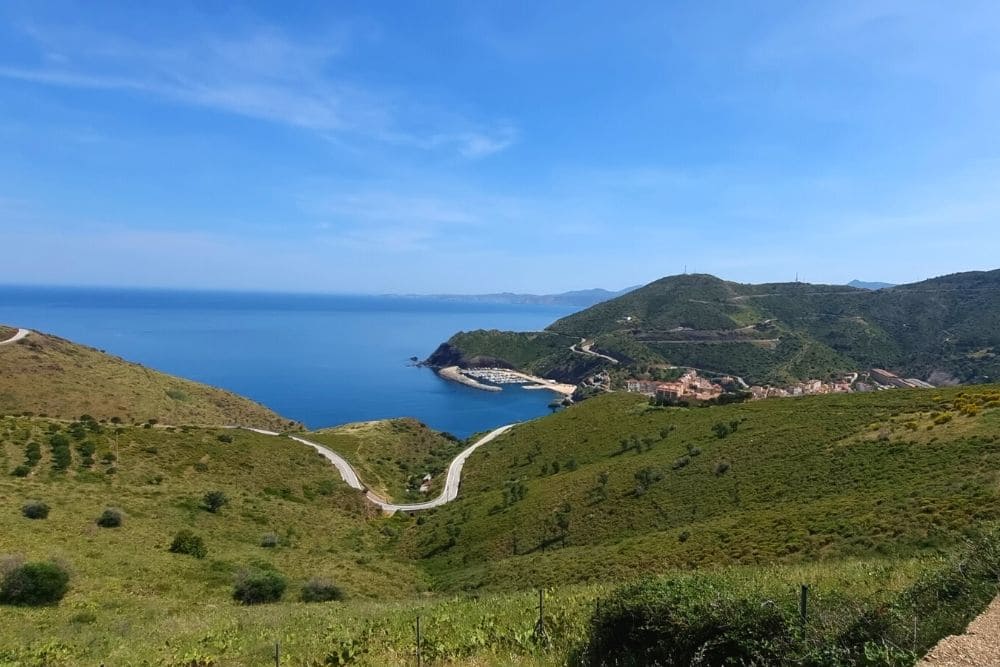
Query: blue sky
[[473, 147]]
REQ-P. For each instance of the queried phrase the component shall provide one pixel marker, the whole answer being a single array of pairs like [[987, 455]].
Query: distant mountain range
[[942, 330], [578, 298]]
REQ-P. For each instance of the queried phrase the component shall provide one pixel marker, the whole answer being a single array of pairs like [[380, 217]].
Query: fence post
[[418, 641], [804, 603], [277, 654], [540, 634]]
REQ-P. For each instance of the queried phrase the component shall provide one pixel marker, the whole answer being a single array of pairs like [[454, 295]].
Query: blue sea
[[319, 359]]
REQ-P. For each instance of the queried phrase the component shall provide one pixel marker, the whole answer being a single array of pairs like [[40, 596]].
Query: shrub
[[259, 587], [213, 501], [722, 467], [186, 542], [225, 437], [270, 540], [110, 518], [22, 470], [34, 584], [318, 590], [35, 509]]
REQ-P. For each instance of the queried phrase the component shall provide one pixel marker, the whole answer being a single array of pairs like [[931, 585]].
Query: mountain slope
[[613, 488], [948, 327], [46, 375]]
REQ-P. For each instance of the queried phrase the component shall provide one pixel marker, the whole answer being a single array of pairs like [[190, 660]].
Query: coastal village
[[692, 387]]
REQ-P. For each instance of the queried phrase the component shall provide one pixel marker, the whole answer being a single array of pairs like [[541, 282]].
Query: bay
[[319, 359]]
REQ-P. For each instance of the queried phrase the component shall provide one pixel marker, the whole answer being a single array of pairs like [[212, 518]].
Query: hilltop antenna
[[685, 269]]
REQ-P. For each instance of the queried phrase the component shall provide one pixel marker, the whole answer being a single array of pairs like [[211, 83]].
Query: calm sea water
[[322, 360]]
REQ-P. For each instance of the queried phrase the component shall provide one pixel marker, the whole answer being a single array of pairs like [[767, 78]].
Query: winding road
[[585, 349], [21, 333], [350, 476]]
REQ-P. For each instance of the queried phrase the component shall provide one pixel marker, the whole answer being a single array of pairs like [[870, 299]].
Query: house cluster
[[876, 379], [693, 387], [806, 388], [689, 387]]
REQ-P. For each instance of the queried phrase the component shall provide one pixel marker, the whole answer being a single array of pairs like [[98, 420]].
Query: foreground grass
[[488, 629]]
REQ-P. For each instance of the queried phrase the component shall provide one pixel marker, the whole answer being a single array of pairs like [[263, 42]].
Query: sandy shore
[[452, 373]]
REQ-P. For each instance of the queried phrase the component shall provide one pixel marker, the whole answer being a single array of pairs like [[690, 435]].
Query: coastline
[[454, 374]]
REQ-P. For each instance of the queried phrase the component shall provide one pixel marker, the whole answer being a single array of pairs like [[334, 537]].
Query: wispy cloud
[[262, 75]]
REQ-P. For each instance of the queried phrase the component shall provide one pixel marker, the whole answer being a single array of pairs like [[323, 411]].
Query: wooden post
[[277, 654], [804, 603], [418, 641], [541, 635]]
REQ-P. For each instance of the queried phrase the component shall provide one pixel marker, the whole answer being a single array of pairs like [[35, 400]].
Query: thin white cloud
[[264, 76]]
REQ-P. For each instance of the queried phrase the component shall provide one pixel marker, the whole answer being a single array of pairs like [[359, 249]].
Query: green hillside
[[867, 497], [393, 456], [46, 375], [946, 329], [614, 489]]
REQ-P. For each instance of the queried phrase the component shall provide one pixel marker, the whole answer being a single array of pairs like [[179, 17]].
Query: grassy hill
[[864, 497], [772, 333], [614, 489], [392, 456], [129, 595], [46, 375]]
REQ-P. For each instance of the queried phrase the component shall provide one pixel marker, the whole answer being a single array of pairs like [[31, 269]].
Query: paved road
[[21, 333], [350, 476], [585, 349]]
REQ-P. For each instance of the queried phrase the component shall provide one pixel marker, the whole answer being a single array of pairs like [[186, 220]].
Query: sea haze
[[319, 359]]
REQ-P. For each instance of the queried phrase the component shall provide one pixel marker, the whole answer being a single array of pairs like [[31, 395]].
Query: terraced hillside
[[46, 375], [613, 488], [946, 329]]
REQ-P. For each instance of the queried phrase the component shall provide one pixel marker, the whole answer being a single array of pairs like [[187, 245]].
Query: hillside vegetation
[[946, 329], [287, 510], [393, 456], [46, 375], [868, 498], [614, 488]]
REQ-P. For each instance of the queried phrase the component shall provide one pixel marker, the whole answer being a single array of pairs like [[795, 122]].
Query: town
[[692, 387]]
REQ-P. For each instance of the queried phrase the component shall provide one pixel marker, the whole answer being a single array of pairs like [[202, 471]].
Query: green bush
[[270, 540], [259, 587], [318, 590], [35, 509], [33, 584], [213, 501], [110, 518], [186, 542], [715, 619], [21, 471]]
